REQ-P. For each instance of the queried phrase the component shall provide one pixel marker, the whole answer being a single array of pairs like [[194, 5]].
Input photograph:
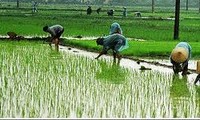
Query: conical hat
[[179, 54]]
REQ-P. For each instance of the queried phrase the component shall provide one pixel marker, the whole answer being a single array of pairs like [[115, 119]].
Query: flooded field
[[131, 64], [37, 82]]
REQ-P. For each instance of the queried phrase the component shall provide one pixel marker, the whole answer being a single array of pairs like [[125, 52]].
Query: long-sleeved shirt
[[116, 42]]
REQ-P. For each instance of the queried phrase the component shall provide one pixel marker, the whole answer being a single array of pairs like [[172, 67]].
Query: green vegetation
[[38, 82], [159, 49], [76, 22], [156, 29]]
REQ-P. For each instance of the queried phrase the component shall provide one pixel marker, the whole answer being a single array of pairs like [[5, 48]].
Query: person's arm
[[104, 51], [197, 79], [101, 53]]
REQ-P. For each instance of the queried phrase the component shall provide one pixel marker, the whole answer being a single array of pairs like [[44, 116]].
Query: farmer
[[34, 6], [180, 56], [115, 28], [89, 10], [55, 31], [98, 10], [125, 12], [110, 12], [116, 42]]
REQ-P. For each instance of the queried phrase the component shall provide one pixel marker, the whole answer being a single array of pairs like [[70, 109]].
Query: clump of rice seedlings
[[38, 82]]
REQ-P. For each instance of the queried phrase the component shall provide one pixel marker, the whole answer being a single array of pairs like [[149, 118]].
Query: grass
[[76, 22], [158, 49]]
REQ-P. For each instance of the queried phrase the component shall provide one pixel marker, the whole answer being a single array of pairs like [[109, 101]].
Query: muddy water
[[131, 64]]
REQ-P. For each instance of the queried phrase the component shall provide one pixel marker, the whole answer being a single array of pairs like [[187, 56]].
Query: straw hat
[[179, 54]]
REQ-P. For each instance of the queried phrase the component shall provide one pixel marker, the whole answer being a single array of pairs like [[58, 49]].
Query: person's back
[[186, 46], [53, 30], [56, 31], [116, 42], [115, 28], [180, 56], [112, 40]]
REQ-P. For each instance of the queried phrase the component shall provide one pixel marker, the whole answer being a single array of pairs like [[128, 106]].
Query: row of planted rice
[[38, 82]]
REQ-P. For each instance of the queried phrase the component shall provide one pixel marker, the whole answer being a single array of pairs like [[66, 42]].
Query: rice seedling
[[36, 82]]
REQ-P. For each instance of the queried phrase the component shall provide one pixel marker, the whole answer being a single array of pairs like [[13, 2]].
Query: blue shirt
[[116, 42], [115, 28]]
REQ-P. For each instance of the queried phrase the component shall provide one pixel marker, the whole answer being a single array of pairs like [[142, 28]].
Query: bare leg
[[57, 44], [197, 79], [119, 58], [114, 57], [50, 44]]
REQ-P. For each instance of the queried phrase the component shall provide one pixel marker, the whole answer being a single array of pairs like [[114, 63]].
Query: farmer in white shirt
[[56, 31]]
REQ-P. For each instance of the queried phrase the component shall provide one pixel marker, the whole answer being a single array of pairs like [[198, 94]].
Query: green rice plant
[[37, 82], [158, 49], [154, 26]]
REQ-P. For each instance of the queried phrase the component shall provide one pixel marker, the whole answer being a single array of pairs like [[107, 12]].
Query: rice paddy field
[[37, 82]]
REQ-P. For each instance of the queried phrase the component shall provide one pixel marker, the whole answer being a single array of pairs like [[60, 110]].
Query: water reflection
[[179, 92], [111, 73], [179, 86]]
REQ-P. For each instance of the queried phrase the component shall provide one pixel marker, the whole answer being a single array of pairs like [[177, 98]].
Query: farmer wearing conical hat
[[180, 56], [56, 31], [116, 42], [115, 28]]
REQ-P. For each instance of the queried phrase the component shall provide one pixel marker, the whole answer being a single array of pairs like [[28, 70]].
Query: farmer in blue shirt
[[115, 28], [116, 42], [56, 31], [180, 57]]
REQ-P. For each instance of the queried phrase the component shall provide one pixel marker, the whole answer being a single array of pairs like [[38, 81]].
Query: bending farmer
[[55, 31], [116, 42], [180, 57], [115, 28]]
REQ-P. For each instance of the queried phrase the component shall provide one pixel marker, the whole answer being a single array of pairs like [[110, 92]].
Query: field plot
[[38, 82]]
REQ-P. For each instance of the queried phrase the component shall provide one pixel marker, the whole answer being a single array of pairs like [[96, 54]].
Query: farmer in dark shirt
[[110, 12], [56, 31], [116, 42], [180, 57], [89, 10]]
